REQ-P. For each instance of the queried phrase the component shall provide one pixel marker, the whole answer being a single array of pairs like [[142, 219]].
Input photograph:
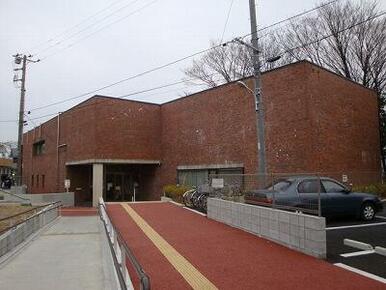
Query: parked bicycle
[[197, 198]]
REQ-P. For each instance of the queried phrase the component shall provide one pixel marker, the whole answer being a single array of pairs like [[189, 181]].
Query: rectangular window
[[43, 180], [195, 177], [192, 177], [37, 180], [32, 180], [39, 148]]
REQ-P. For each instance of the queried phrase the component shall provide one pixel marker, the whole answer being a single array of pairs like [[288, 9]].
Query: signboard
[[67, 183], [217, 182]]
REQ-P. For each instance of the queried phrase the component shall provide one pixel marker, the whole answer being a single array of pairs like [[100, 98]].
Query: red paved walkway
[[78, 211], [228, 257]]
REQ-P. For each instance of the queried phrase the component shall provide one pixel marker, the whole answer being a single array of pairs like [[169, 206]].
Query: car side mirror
[[348, 189]]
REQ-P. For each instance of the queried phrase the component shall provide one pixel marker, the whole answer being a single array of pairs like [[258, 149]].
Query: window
[[37, 180], [195, 177], [32, 180], [39, 148], [192, 177], [310, 186], [331, 186], [43, 179], [280, 185]]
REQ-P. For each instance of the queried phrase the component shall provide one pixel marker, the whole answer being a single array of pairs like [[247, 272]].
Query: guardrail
[[20, 231], [10, 219], [122, 255]]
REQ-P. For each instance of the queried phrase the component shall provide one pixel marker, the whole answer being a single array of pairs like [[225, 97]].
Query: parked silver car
[[303, 192]]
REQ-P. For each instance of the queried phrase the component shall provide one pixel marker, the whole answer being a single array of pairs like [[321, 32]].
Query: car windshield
[[279, 185]]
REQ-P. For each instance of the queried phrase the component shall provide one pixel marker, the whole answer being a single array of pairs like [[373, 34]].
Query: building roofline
[[336, 74], [304, 61], [125, 100]]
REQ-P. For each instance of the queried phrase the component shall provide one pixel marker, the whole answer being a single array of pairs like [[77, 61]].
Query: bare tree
[[345, 37], [352, 44], [353, 41], [221, 64]]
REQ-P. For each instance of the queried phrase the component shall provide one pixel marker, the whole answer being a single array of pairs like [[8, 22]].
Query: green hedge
[[377, 189], [175, 192]]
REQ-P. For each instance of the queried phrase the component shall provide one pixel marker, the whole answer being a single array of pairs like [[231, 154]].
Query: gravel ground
[[7, 210]]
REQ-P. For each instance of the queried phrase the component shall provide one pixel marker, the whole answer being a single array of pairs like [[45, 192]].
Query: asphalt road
[[373, 233]]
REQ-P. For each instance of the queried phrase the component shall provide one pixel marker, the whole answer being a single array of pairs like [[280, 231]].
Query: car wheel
[[368, 212]]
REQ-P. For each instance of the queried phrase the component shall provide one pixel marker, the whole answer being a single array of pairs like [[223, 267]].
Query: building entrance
[[119, 186]]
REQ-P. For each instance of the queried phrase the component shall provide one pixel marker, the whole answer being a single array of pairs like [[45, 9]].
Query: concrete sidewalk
[[72, 254]]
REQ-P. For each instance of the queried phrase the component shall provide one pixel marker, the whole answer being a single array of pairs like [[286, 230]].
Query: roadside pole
[[23, 60], [21, 122], [259, 106]]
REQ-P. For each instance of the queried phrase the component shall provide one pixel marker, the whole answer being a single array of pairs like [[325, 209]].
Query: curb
[[358, 245], [380, 251]]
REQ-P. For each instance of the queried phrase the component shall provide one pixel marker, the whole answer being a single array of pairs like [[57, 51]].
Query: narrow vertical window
[[43, 178], [32, 180], [37, 180]]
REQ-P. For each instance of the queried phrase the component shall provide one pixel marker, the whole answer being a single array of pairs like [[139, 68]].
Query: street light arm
[[246, 87], [246, 44]]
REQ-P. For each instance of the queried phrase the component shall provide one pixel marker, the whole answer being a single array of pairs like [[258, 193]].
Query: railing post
[[123, 265], [319, 201], [273, 191], [44, 217]]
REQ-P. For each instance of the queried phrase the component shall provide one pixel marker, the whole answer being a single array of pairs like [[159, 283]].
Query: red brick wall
[[212, 127], [127, 130], [288, 120], [315, 121], [346, 117], [44, 164], [99, 128]]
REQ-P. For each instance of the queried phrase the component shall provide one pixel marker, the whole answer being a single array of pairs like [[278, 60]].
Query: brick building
[[316, 121]]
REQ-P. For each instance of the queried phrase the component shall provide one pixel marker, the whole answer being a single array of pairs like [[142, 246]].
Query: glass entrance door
[[119, 187]]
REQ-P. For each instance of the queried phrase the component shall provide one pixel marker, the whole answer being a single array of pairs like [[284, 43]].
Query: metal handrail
[[27, 211], [32, 216], [117, 244]]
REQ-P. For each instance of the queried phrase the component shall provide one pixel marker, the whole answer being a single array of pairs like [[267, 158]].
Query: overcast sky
[[146, 34]]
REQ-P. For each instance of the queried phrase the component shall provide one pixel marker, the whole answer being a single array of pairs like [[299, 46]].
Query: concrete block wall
[[66, 198], [305, 233]]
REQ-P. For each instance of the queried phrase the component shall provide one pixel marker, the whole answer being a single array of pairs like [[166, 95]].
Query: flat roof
[[113, 161]]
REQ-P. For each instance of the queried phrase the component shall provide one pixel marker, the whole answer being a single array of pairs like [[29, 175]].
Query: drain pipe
[[57, 152]]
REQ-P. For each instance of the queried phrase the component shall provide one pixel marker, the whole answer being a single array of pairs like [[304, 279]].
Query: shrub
[[376, 188], [175, 192]]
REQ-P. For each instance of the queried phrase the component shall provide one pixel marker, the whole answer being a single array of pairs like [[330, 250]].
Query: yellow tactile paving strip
[[195, 279]]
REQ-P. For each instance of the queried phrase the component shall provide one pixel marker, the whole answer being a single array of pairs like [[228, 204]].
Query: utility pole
[[259, 106], [23, 59]]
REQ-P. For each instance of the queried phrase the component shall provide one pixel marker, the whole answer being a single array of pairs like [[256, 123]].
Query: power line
[[291, 18], [66, 31], [329, 35], [226, 21], [286, 51], [72, 35], [125, 79], [162, 66], [122, 97], [102, 28], [120, 19]]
